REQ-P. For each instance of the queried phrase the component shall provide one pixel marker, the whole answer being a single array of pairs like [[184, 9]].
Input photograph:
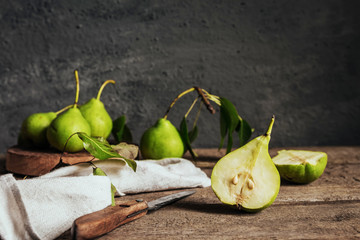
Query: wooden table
[[328, 208]]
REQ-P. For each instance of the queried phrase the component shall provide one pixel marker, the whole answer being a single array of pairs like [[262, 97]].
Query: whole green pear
[[161, 141], [95, 113], [34, 127], [65, 125], [98, 118]]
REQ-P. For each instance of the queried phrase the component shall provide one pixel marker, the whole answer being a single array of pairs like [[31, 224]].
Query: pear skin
[[63, 126], [300, 166], [161, 141], [33, 129], [98, 118]]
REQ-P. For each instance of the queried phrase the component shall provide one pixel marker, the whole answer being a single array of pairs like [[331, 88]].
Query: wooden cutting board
[[36, 162]]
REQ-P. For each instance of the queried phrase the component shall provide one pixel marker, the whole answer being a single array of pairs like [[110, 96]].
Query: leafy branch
[[230, 120]]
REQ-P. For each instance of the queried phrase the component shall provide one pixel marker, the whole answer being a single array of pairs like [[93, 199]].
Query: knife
[[101, 222]]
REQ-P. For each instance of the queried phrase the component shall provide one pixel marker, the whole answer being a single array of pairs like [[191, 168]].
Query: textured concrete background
[[299, 60]]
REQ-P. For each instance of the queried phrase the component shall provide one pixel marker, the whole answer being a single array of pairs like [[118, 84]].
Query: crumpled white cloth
[[46, 206], [150, 175]]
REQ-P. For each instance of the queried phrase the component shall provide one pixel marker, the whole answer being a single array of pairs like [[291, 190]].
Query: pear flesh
[[300, 166], [98, 118], [65, 125], [247, 177], [162, 140], [33, 129]]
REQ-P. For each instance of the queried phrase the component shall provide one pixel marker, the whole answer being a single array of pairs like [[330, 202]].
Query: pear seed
[[250, 184], [235, 180]]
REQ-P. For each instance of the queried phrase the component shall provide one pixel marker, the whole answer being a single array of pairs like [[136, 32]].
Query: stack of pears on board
[[58, 129]]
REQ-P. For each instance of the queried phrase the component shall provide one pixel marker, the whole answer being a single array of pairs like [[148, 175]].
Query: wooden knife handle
[[98, 223]]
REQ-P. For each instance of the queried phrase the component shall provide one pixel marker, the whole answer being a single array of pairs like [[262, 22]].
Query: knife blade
[[101, 222]]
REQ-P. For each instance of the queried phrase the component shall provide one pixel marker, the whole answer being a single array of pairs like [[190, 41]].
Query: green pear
[[300, 166], [247, 177], [64, 126], [33, 129], [121, 131], [161, 141], [95, 113], [62, 129]]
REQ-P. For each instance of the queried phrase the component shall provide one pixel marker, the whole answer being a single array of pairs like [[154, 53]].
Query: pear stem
[[205, 97], [102, 88], [211, 97], [191, 107], [205, 100], [268, 133], [77, 89], [64, 109], [177, 98], [197, 115]]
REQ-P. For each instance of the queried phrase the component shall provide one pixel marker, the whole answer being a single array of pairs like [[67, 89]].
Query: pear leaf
[[102, 150], [223, 128], [185, 137], [230, 117], [193, 133], [121, 131], [99, 172], [127, 150], [244, 130], [230, 121]]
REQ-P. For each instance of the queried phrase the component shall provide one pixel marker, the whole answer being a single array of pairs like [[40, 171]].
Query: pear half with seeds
[[247, 177], [300, 166]]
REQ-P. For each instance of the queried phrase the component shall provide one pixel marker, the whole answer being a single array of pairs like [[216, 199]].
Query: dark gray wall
[[298, 60]]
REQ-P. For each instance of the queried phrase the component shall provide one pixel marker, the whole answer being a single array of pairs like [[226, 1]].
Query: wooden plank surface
[[328, 208]]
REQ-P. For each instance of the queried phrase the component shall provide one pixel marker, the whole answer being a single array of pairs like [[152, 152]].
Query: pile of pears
[[57, 129], [247, 177]]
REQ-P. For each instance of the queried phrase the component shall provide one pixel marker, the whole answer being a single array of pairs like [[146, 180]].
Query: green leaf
[[230, 113], [223, 128], [96, 147], [244, 130], [185, 137], [230, 121], [193, 133], [121, 131], [102, 149], [99, 172]]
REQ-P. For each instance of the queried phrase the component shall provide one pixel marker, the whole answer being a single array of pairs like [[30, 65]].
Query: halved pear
[[247, 177], [300, 166]]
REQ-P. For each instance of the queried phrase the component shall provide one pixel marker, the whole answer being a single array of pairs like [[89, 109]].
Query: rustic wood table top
[[328, 208]]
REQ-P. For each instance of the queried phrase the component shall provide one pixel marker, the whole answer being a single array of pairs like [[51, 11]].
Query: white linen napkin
[[46, 206], [150, 175]]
